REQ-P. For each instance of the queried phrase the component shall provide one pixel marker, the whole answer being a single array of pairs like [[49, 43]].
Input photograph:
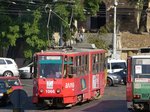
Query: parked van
[[8, 67], [116, 65]]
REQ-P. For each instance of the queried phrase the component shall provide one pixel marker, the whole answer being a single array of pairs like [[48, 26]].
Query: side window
[[86, 64], [9, 62], [94, 64], [102, 62], [69, 68], [2, 62]]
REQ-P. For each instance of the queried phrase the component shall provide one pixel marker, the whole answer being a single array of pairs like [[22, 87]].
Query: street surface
[[112, 101]]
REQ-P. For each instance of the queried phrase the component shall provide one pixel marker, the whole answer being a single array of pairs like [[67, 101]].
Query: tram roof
[[74, 50], [141, 56], [78, 48]]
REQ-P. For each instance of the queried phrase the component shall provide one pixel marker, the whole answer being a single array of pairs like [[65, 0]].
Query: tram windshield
[[50, 66], [142, 68]]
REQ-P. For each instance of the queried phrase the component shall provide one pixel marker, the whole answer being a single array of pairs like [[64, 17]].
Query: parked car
[[113, 79], [116, 65], [5, 91], [123, 75], [13, 82], [26, 71], [8, 67]]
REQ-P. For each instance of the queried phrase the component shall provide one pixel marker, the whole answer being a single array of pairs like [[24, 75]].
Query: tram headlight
[[58, 91], [41, 90]]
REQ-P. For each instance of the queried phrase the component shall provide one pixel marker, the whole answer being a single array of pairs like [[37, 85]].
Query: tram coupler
[[139, 106], [49, 102]]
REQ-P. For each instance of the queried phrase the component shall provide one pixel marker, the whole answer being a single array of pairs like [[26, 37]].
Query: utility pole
[[48, 10], [114, 36]]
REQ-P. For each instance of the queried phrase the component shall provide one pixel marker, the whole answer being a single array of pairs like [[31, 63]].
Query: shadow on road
[[108, 106]]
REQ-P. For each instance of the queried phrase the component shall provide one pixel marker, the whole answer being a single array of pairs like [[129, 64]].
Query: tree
[[99, 43], [34, 41], [9, 32], [92, 6], [17, 25], [141, 6]]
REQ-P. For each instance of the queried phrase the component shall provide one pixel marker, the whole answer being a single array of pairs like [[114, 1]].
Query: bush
[[99, 43]]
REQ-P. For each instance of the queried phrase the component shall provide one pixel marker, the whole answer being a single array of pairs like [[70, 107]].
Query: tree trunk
[[148, 18]]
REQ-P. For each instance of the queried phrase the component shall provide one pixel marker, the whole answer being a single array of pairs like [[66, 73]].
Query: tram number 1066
[[50, 91]]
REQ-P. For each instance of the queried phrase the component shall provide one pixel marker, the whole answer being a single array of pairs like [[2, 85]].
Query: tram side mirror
[[31, 69]]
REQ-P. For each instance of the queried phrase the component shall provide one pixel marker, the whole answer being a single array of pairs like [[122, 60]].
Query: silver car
[[26, 71], [113, 78]]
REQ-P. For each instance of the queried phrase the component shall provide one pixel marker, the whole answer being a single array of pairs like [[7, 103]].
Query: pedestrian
[[81, 37]]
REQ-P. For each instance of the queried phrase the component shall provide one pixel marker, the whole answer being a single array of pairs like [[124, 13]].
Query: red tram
[[65, 77]]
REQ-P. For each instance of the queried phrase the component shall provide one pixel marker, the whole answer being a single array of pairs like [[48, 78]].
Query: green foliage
[[13, 34], [59, 17], [99, 43], [31, 28], [92, 6], [9, 37], [108, 28], [32, 32], [139, 3], [78, 11], [28, 53], [5, 21]]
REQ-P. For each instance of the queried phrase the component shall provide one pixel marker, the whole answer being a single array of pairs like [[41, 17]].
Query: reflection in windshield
[[119, 65], [50, 70]]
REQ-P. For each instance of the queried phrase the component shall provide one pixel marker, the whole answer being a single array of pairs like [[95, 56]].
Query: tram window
[[142, 71], [78, 71], [80, 60], [102, 62], [65, 71], [72, 71], [93, 66], [68, 67], [50, 70], [83, 60], [96, 63], [86, 64], [70, 75], [82, 66], [76, 60]]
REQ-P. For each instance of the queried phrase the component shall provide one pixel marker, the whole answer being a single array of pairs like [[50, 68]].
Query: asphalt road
[[112, 101]]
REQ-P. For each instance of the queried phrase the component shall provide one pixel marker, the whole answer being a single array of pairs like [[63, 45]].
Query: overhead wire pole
[[48, 6], [114, 36], [50, 10], [71, 19]]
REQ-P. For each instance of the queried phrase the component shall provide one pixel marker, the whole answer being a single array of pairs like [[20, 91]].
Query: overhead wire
[[31, 6]]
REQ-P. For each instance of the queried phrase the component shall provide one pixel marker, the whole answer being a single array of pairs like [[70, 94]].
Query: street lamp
[[114, 36]]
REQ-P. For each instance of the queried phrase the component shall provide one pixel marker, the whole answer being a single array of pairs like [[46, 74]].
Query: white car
[[25, 71], [116, 65], [8, 67]]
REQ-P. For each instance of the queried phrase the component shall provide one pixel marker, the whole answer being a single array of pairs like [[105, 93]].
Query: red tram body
[[65, 77]]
